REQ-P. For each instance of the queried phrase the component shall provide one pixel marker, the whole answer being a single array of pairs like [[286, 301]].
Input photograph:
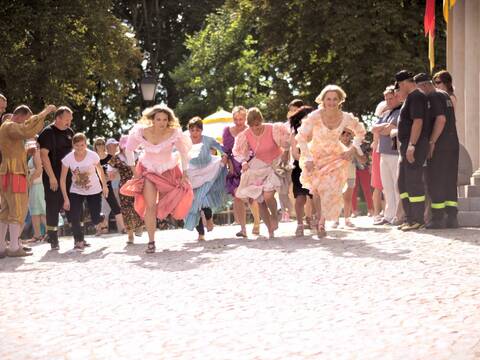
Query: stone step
[[469, 218], [475, 180], [469, 204], [472, 191]]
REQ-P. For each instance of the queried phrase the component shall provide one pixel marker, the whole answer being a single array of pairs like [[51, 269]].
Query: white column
[[456, 62], [472, 80]]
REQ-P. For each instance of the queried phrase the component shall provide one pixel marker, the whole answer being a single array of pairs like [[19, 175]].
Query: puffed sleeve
[[241, 149], [358, 129], [183, 144], [26, 130], [281, 135], [304, 135], [133, 141]]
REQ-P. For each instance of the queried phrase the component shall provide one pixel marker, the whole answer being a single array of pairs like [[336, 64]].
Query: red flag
[[429, 26]]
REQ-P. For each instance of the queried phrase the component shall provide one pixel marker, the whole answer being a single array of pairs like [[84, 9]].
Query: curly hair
[[149, 113]]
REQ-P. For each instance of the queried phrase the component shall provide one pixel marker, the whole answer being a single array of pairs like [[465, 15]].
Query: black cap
[[421, 77], [403, 75]]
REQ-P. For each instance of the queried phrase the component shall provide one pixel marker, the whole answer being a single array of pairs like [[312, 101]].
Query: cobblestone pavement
[[369, 293]]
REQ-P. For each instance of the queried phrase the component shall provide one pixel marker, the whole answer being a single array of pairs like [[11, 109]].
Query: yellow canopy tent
[[214, 124]]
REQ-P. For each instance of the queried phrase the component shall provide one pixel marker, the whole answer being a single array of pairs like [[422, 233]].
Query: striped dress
[[207, 175]]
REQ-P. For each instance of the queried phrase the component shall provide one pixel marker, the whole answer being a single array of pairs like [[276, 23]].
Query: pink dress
[[322, 146], [266, 149], [159, 164]]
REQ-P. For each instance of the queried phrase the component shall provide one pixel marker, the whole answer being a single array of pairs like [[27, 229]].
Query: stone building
[[463, 62]]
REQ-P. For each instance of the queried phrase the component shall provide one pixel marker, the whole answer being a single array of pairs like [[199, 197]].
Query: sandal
[[241, 234], [150, 247], [349, 223], [201, 238], [299, 231], [321, 232], [130, 241], [79, 245]]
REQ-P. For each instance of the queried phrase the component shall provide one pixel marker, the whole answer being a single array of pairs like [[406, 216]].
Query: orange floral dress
[[322, 145]]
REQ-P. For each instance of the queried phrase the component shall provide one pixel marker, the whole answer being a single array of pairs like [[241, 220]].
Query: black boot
[[452, 222], [53, 240], [437, 221]]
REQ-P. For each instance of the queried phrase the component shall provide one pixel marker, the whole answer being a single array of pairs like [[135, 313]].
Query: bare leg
[[377, 202], [239, 214], [265, 215], [272, 207], [317, 201], [150, 195], [347, 206], [120, 223], [36, 226], [300, 202], [256, 217]]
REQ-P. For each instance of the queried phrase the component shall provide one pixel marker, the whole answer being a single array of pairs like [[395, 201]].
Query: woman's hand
[[348, 155], [245, 166], [309, 165], [105, 191], [224, 159], [66, 204]]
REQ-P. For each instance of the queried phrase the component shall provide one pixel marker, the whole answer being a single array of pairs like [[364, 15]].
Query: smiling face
[[160, 120], [331, 100], [239, 118]]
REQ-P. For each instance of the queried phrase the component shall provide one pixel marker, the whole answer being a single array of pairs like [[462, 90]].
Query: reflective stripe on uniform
[[414, 199], [404, 195], [438, 205], [451, 203]]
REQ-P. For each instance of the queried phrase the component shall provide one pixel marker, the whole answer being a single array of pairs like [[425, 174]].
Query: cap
[[111, 141], [403, 75], [421, 77]]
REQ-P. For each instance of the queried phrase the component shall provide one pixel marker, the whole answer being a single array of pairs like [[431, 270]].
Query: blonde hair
[[254, 116], [98, 141], [238, 109], [149, 113], [329, 88]]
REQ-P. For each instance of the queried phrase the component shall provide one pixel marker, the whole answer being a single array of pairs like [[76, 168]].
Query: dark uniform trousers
[[54, 203], [411, 185], [442, 173]]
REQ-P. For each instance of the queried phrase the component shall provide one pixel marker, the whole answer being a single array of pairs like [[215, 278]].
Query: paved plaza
[[369, 293]]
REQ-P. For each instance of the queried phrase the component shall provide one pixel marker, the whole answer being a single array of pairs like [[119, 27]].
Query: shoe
[[414, 226], [299, 231], [452, 223], [150, 248], [241, 234], [335, 225], [26, 248], [201, 238], [285, 217], [79, 246], [86, 244], [321, 232], [349, 223], [435, 224], [380, 221], [402, 225], [18, 253], [54, 246]]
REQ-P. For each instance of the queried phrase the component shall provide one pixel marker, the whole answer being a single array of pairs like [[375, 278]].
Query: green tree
[[66, 53], [161, 28], [294, 48]]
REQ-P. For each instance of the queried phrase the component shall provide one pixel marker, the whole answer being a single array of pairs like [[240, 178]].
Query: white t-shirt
[[85, 180]]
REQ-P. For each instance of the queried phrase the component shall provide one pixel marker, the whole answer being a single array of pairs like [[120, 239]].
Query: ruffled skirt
[[258, 178], [174, 197]]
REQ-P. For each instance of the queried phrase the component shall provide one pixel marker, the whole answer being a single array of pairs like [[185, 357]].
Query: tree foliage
[[74, 53], [294, 48], [161, 27]]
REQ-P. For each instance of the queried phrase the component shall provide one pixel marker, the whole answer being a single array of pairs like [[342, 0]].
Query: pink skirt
[[174, 198], [376, 177]]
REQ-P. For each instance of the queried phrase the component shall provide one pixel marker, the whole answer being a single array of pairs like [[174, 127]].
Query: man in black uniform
[[413, 132], [442, 162], [55, 142]]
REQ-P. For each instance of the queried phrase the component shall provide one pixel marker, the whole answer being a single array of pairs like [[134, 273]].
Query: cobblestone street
[[369, 293]]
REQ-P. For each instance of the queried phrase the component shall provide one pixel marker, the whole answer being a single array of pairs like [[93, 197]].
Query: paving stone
[[368, 293]]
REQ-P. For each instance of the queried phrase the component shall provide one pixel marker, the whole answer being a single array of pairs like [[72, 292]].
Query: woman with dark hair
[[299, 192], [207, 175], [443, 81]]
